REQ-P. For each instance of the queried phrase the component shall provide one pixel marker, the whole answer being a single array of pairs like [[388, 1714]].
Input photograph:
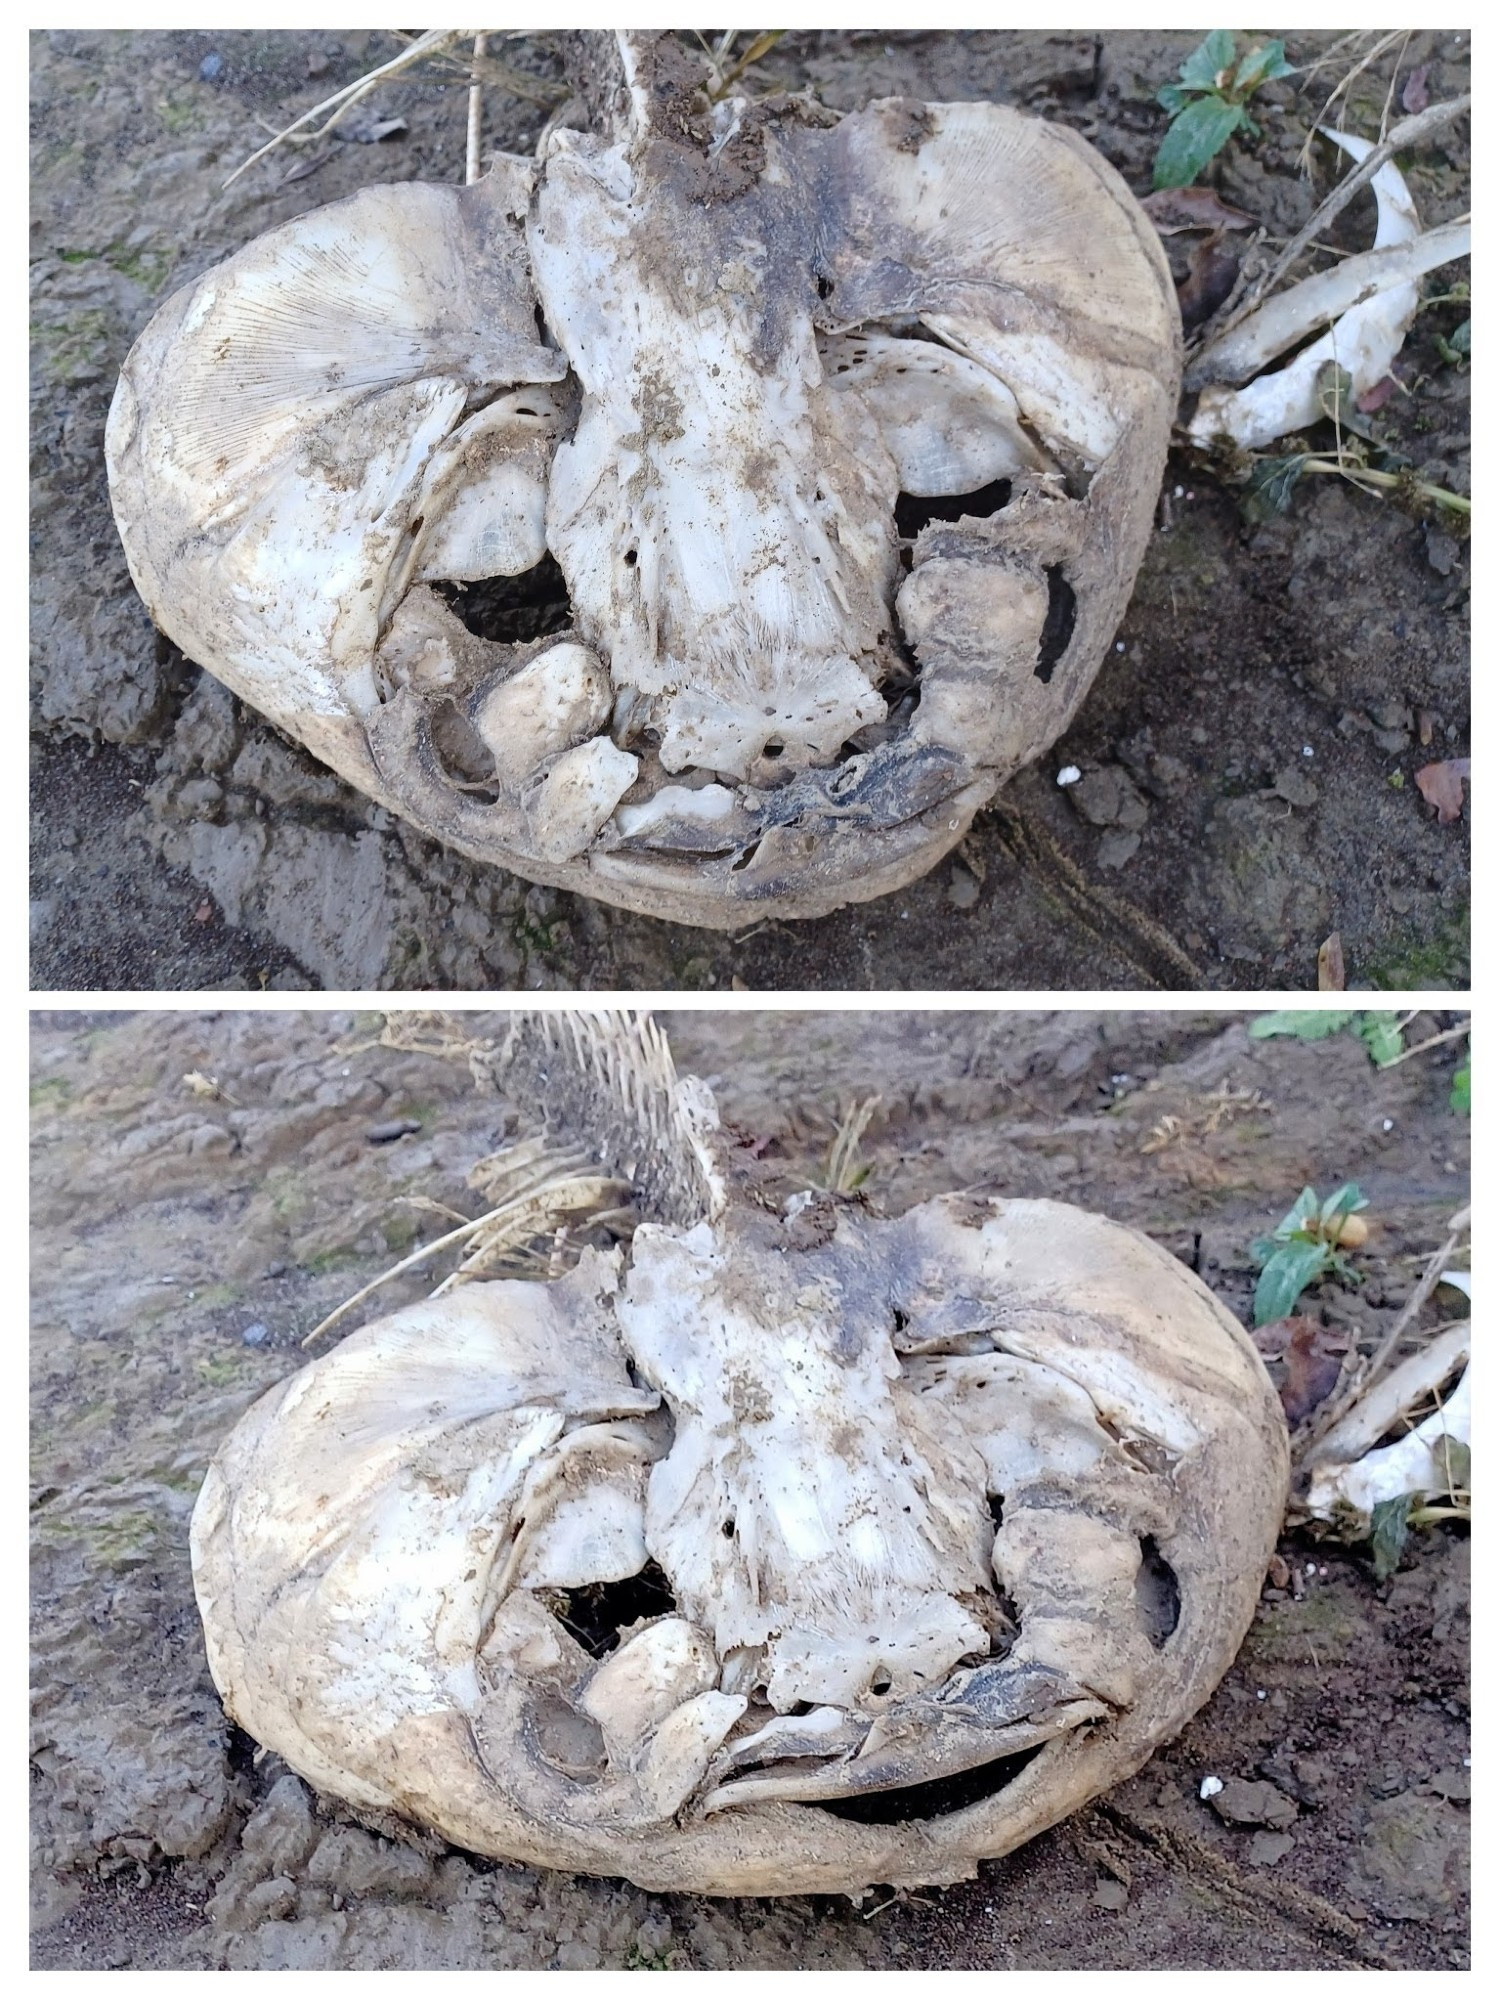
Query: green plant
[[1382, 1032], [1307, 1244], [1458, 1097], [1208, 104]]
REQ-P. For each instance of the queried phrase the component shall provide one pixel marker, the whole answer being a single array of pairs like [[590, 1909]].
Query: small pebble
[[256, 1335], [1266, 1849], [1307, 749], [1210, 1788], [211, 67], [963, 890], [1069, 774]]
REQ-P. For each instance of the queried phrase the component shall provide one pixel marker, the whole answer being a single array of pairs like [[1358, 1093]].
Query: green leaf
[[1381, 1035], [1453, 1456], [1336, 400], [1455, 349], [1261, 66], [1171, 97], [1194, 136], [1298, 1216], [1307, 1024], [1388, 1529], [1458, 1097], [1343, 1201], [1289, 1271], [1268, 491], [1213, 55]]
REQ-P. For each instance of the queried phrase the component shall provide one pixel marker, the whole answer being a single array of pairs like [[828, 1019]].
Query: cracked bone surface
[[788, 1551], [699, 356]]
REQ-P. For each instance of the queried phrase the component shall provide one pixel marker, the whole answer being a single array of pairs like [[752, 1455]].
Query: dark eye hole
[[1158, 1599], [913, 514], [513, 609], [1062, 611], [631, 558], [598, 1612], [825, 286]]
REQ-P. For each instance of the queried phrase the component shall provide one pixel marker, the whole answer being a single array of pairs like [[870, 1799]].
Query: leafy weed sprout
[[1209, 104]]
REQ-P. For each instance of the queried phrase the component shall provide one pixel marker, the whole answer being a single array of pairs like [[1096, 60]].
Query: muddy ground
[[185, 1242], [1248, 750]]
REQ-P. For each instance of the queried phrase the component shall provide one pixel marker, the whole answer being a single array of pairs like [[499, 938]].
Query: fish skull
[[712, 377]]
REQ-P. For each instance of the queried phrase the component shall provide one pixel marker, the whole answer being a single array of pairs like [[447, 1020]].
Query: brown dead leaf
[[1314, 1358], [1414, 94], [1441, 785], [1174, 209], [1212, 271], [1331, 964], [1376, 398]]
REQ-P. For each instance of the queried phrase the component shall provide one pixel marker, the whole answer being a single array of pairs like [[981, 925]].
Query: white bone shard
[[697, 359], [1365, 339], [1352, 1472]]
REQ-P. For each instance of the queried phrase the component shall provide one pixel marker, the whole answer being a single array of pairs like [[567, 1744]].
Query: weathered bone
[[982, 1494], [698, 358], [1352, 1472], [1371, 301]]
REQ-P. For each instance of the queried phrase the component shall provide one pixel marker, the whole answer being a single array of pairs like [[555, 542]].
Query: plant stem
[[1371, 480]]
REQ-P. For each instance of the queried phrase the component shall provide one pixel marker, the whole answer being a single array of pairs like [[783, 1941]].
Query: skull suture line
[[846, 437], [953, 1519]]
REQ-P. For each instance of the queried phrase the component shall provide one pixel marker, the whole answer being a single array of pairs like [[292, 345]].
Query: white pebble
[[1307, 750], [1210, 1787], [1387, 1124], [1176, 492], [1069, 774], [1260, 1694], [1119, 645]]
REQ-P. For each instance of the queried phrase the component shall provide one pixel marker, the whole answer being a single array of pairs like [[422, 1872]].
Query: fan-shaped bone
[[980, 1496], [698, 363]]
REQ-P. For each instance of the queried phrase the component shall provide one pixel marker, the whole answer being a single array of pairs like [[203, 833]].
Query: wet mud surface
[[189, 1233], [1247, 753]]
